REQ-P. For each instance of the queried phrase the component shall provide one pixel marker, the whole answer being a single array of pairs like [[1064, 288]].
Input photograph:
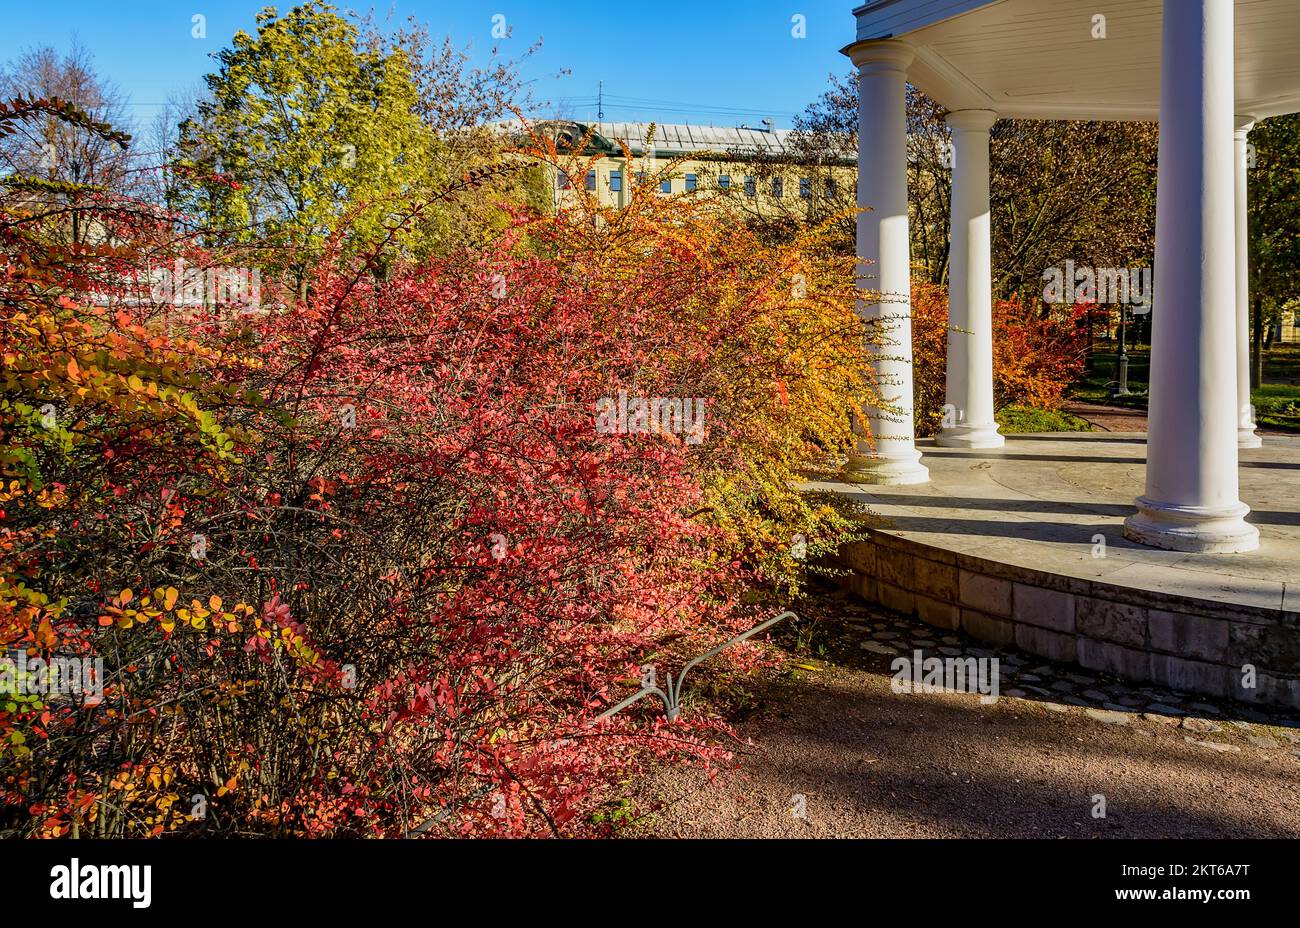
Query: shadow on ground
[[836, 752]]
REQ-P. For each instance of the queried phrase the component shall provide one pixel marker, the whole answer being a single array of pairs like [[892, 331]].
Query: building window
[[778, 187], [591, 180], [830, 186], [640, 178], [565, 182], [666, 186], [615, 181], [724, 182], [751, 187], [692, 182], [805, 188]]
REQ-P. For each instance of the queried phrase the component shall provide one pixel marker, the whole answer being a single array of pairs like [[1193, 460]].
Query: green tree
[[309, 125], [1274, 224]]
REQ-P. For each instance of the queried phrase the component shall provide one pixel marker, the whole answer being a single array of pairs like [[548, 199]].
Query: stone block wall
[[1180, 642]]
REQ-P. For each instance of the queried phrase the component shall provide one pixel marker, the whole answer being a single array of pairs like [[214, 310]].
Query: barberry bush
[[1036, 355], [364, 561]]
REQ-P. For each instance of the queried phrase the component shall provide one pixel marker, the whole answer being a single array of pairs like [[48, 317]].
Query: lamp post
[[1121, 359]]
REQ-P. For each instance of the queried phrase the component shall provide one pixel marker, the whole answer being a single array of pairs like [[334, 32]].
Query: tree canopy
[[304, 126]]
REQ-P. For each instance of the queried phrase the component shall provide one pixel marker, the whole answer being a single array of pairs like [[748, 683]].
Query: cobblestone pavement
[[833, 750], [1060, 687]]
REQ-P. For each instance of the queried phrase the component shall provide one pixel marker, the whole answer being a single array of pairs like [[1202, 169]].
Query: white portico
[[1206, 70]]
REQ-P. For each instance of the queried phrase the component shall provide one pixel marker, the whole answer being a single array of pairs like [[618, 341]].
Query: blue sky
[[723, 62]]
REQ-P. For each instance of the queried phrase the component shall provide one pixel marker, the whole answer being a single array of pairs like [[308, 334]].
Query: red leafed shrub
[[1035, 359], [366, 564], [487, 562]]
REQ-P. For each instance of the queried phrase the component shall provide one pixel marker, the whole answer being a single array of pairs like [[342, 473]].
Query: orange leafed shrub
[[377, 562], [1034, 359]]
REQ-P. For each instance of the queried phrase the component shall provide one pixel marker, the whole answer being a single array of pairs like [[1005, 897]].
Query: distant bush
[[1035, 358]]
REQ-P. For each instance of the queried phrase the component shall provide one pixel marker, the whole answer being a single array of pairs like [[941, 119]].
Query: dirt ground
[[835, 752]]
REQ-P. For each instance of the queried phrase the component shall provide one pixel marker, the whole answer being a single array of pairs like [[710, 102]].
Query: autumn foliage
[[361, 563], [1035, 357]]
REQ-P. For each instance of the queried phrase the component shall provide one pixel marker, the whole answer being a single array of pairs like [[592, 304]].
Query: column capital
[[881, 55], [1241, 125], [971, 120]]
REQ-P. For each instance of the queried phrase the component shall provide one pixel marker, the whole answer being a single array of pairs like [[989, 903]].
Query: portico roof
[[1038, 59]]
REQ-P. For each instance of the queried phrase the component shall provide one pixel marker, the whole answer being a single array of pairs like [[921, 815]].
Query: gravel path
[[1109, 418], [1106, 418], [835, 752]]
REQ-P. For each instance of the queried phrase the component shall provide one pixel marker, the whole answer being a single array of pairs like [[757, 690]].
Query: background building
[[762, 168]]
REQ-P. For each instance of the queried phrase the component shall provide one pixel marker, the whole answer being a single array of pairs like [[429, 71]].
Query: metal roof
[[682, 138], [670, 139]]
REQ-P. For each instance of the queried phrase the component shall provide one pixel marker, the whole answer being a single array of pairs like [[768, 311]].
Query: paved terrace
[[1025, 544]]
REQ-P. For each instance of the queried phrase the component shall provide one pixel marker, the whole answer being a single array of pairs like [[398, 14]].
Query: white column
[[1192, 500], [968, 418], [889, 456], [1246, 437]]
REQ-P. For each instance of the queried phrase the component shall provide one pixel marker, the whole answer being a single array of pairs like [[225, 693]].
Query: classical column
[[968, 417], [889, 456], [1246, 437], [1192, 500]]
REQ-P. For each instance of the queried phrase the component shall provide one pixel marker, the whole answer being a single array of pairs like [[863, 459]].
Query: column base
[[1193, 529], [895, 470], [1246, 438], [971, 436]]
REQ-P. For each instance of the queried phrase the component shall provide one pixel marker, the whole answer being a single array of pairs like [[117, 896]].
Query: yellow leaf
[[215, 603], [169, 597]]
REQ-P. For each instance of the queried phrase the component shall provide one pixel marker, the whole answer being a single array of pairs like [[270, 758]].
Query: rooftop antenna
[[600, 102]]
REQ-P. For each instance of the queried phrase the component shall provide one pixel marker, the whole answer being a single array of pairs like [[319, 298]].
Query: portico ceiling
[[1037, 59]]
